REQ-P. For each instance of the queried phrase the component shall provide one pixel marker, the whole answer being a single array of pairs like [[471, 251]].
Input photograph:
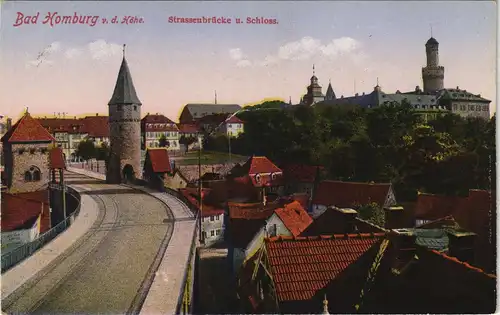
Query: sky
[[350, 43]]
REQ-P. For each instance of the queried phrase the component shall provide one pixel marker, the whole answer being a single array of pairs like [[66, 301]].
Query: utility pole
[[63, 192], [200, 190], [229, 143]]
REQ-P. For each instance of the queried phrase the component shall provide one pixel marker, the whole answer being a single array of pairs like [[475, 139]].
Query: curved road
[[110, 269]]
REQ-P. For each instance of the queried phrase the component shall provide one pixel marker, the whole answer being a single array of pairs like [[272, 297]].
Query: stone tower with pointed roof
[[432, 73], [124, 129]]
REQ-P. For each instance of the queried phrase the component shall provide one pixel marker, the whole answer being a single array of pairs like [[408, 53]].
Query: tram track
[[74, 263]]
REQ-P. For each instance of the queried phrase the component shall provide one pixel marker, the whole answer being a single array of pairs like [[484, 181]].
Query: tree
[[86, 149], [102, 152], [187, 141], [163, 142], [373, 213]]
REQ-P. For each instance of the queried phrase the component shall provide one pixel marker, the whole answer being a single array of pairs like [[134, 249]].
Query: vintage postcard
[[239, 157]]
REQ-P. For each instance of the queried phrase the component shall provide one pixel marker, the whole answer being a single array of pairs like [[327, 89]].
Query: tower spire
[[124, 92], [377, 81], [431, 29], [124, 45], [314, 71], [325, 306]]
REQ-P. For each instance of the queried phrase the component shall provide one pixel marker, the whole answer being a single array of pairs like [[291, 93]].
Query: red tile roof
[[464, 264], [433, 207], [156, 119], [159, 160], [472, 212], [301, 266], [234, 120], [158, 126], [70, 125], [96, 126], [259, 165], [294, 217], [27, 129], [301, 173], [56, 158], [187, 128], [208, 209], [20, 211], [252, 211], [350, 194]]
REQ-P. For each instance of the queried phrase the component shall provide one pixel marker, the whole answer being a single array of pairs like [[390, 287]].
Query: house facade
[[155, 126]]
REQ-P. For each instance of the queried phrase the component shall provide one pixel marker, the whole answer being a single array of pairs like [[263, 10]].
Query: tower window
[[119, 108], [135, 107], [32, 151], [32, 175], [21, 151]]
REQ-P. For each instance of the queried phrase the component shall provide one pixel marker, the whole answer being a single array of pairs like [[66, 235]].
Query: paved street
[[105, 270]]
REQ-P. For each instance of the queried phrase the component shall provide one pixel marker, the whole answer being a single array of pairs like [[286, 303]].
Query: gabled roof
[[233, 120], [200, 110], [187, 128], [303, 265], [56, 159], [259, 165], [20, 211], [350, 194], [192, 196], [27, 129], [159, 160], [294, 217], [124, 93], [156, 119]]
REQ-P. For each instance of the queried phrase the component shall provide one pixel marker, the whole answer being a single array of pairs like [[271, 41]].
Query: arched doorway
[[128, 173]]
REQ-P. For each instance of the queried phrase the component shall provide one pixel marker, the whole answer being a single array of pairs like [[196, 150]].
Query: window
[[119, 108], [257, 178], [21, 151], [218, 217], [478, 107], [204, 235], [32, 175], [273, 176], [217, 232], [212, 233], [32, 151], [135, 107], [211, 218]]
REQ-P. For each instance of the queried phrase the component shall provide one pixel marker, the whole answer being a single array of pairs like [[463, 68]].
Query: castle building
[[314, 93], [124, 129], [430, 102]]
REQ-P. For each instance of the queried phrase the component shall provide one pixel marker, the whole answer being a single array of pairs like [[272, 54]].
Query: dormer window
[[257, 178]]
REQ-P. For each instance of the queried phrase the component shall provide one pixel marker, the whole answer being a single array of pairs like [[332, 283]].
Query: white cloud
[[237, 55], [73, 53], [99, 49], [52, 48], [304, 49]]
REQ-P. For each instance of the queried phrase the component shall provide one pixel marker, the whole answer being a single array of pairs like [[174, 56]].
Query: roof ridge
[[359, 183], [467, 265], [325, 237]]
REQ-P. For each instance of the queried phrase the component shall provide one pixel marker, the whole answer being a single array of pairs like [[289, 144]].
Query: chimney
[[461, 245], [403, 241], [9, 123], [394, 217]]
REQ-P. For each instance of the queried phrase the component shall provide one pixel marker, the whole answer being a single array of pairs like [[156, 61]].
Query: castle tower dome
[[124, 129], [432, 73]]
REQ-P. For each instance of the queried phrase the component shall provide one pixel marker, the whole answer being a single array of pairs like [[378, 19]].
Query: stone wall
[[36, 155]]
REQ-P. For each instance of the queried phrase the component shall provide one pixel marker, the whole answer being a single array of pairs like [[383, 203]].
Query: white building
[[153, 127]]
